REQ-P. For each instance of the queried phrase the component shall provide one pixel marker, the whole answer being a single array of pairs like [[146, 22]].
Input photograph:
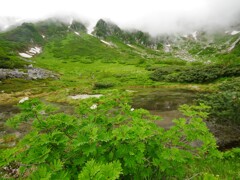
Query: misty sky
[[154, 16]]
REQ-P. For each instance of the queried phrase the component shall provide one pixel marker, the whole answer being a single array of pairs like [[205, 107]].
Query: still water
[[164, 103]]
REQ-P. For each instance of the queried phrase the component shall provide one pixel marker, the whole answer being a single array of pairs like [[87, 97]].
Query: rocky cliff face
[[104, 29], [188, 46]]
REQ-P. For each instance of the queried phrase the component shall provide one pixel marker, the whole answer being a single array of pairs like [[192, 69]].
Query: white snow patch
[[35, 50], [105, 42], [77, 33], [32, 51], [185, 35], [23, 100], [233, 45], [70, 23], [85, 96], [194, 34], [234, 32], [25, 55], [130, 45]]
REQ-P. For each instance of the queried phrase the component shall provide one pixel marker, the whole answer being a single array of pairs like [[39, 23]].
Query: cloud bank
[[154, 16]]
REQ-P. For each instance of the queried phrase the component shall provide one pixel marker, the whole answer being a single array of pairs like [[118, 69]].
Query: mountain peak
[[104, 29]]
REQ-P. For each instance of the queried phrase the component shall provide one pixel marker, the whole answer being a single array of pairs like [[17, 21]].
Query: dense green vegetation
[[111, 141], [108, 141], [10, 60], [225, 103], [16, 40], [196, 74]]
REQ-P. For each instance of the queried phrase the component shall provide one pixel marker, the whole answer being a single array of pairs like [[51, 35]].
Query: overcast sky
[[154, 16]]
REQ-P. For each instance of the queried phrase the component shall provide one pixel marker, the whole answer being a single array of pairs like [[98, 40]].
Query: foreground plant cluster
[[110, 141]]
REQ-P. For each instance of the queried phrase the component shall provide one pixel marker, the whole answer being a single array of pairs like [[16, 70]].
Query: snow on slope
[[107, 43], [194, 34], [25, 55], [31, 52], [130, 45], [234, 32], [77, 33], [234, 44]]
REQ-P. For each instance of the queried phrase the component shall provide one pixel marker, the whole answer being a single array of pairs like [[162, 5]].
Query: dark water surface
[[6, 111], [164, 103]]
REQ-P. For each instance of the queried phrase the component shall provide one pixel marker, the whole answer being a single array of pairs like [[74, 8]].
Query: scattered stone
[[94, 106], [38, 73], [195, 87], [23, 100], [30, 66], [167, 48], [131, 91], [85, 96]]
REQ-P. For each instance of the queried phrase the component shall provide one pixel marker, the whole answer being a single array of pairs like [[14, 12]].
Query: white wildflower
[[132, 109], [23, 100], [94, 106]]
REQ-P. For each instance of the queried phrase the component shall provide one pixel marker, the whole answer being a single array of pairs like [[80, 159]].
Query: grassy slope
[[84, 60], [17, 40]]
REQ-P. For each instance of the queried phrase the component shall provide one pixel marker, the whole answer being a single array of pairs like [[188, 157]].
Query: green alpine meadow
[[118, 103]]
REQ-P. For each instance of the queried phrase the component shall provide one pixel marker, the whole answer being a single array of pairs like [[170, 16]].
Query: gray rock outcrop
[[30, 73]]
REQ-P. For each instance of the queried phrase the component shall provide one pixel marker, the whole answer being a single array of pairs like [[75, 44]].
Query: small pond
[[164, 103]]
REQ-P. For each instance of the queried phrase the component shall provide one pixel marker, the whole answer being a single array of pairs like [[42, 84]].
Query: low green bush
[[225, 107], [225, 104], [103, 85], [195, 74], [230, 85]]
